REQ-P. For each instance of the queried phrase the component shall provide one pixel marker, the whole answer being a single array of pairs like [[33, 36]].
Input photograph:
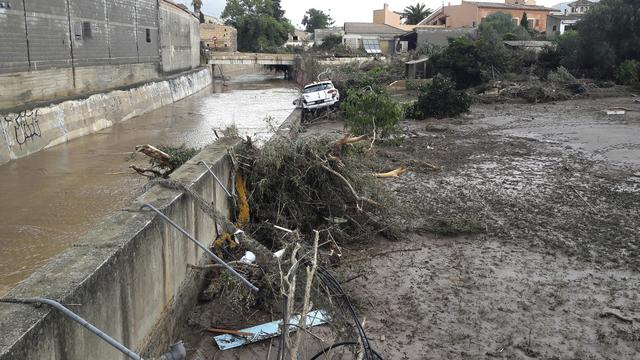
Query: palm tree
[[197, 5], [413, 14]]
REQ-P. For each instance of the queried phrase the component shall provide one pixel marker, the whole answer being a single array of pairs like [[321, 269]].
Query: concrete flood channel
[[52, 197]]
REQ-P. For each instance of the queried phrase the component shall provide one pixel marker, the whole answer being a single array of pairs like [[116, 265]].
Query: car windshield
[[317, 87]]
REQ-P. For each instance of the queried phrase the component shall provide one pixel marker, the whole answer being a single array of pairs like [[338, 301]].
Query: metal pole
[[215, 177], [204, 248], [73, 316]]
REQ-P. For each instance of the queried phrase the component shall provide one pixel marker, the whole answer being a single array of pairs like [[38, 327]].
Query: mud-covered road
[[526, 243]]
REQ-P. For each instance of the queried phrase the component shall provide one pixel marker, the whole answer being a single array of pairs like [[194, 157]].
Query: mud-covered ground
[[523, 244]]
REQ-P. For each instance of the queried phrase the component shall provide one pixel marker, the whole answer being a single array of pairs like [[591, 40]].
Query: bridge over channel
[[238, 58]]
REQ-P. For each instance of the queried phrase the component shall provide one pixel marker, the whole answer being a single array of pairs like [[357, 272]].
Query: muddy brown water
[[51, 198]]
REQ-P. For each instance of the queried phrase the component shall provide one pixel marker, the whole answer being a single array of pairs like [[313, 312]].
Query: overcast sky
[[341, 10]]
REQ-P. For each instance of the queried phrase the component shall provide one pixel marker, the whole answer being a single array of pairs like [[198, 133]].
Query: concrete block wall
[[25, 132], [52, 49], [130, 276], [180, 47]]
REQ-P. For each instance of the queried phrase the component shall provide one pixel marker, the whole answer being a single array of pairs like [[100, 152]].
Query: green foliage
[[427, 50], [629, 73], [330, 42], [413, 14], [497, 25], [178, 155], [290, 186], [375, 75], [440, 99], [567, 48], [366, 110], [608, 35], [316, 19], [260, 24], [469, 62], [461, 62]]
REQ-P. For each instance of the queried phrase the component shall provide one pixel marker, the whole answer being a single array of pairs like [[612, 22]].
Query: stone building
[[219, 37], [52, 49]]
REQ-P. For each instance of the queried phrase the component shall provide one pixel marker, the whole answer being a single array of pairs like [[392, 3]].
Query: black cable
[[334, 287], [337, 345]]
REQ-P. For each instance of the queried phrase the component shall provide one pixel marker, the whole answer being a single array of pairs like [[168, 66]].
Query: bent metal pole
[[73, 316], [204, 248], [217, 179]]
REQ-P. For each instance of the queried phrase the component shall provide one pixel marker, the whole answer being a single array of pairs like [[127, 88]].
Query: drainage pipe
[[204, 248]]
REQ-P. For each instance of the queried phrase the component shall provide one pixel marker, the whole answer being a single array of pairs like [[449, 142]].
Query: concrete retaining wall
[[30, 131], [180, 38], [130, 276]]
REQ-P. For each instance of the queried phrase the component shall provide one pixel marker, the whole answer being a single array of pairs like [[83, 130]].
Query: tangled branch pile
[[310, 184]]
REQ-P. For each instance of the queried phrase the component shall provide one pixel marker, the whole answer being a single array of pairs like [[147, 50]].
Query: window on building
[[531, 23], [516, 21], [148, 35], [86, 30], [77, 31], [295, 38], [371, 46], [555, 28]]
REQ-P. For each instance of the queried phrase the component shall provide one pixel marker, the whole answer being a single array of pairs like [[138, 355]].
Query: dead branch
[[392, 174], [351, 140], [150, 173], [353, 191], [160, 156], [311, 272], [373, 138]]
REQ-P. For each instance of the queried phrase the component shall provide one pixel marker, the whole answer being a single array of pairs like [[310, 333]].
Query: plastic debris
[[278, 254], [248, 258], [616, 111], [268, 330]]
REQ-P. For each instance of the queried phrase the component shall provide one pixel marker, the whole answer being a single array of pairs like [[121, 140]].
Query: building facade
[[470, 14], [219, 37], [60, 48], [559, 22], [372, 38]]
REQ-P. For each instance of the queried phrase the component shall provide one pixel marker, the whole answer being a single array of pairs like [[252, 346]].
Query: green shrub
[[461, 62], [366, 110], [629, 73], [497, 25], [440, 99]]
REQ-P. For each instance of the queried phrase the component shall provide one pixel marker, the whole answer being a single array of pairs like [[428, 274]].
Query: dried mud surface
[[523, 245]]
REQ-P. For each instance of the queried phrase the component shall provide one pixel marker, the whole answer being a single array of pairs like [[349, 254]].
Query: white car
[[319, 95]]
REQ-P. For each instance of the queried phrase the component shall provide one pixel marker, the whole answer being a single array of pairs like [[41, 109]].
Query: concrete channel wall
[[30, 131], [129, 276]]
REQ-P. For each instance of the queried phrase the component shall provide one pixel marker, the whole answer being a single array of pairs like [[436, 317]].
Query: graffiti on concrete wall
[[25, 126]]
